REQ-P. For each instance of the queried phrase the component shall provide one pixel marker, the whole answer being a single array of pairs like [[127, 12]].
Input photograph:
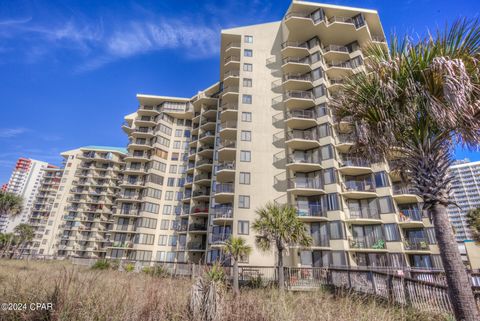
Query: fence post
[[406, 291], [374, 286], [390, 288]]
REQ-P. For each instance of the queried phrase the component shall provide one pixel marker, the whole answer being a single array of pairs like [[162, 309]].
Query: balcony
[[205, 150], [294, 49], [301, 119], [220, 238], [297, 99], [363, 215], [416, 244], [305, 186], [224, 192], [228, 130], [140, 144], [230, 93], [352, 165], [202, 179], [199, 211], [296, 65], [204, 164], [342, 69], [403, 193], [135, 197], [297, 82], [228, 111], [231, 78], [359, 189], [197, 228], [367, 243], [227, 150], [196, 246], [232, 62], [222, 215], [144, 121], [225, 171], [136, 170], [311, 213], [132, 183], [411, 217], [201, 195], [304, 162], [207, 136], [137, 157], [148, 110], [181, 228], [142, 132], [344, 142], [336, 52], [302, 139]]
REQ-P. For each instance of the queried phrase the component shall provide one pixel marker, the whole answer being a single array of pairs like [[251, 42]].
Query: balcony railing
[[195, 245], [306, 114], [364, 212], [367, 242], [346, 138], [229, 124], [355, 162], [359, 186], [227, 144], [298, 60], [295, 44], [220, 238], [311, 158], [232, 59], [408, 215], [223, 212], [311, 210], [302, 134], [197, 227], [310, 183], [228, 106], [415, 243], [298, 94], [335, 48], [224, 188], [299, 77], [399, 189], [225, 166]]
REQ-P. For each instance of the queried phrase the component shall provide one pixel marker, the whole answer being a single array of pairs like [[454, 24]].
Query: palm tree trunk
[[459, 287], [7, 247], [281, 276], [236, 288]]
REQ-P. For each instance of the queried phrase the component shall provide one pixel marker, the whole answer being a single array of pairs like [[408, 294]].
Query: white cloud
[[11, 132]]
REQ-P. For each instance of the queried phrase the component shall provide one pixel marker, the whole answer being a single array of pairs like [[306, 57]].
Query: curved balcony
[[219, 239], [359, 189], [300, 119], [335, 84], [145, 121], [342, 69], [137, 157], [292, 82], [200, 211], [352, 165], [344, 142], [311, 213], [228, 111], [133, 198], [195, 246], [207, 124], [224, 192], [228, 130], [404, 194], [410, 218], [207, 137], [197, 228], [336, 52], [132, 183], [230, 93], [296, 65], [233, 48], [231, 78], [205, 151], [297, 99], [225, 171], [294, 49], [304, 162], [305, 186], [202, 179], [302, 139], [142, 132], [147, 111], [227, 150], [231, 62], [140, 145], [201, 195], [204, 164]]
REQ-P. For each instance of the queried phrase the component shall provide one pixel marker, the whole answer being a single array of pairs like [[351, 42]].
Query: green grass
[[81, 293]]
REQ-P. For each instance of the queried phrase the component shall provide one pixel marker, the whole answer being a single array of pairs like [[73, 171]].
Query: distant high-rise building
[[465, 194], [24, 181]]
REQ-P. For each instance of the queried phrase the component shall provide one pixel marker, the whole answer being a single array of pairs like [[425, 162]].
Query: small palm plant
[[418, 101], [11, 205], [236, 248], [279, 225], [25, 234]]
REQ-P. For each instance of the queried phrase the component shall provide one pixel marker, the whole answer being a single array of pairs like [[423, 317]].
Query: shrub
[[216, 273], [101, 265], [156, 271], [129, 267]]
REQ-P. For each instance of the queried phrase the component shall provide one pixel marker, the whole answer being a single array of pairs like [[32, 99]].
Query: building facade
[[466, 194], [24, 182], [198, 167]]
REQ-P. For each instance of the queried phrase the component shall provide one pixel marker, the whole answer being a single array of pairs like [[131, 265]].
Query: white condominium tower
[[466, 194], [198, 167], [24, 182]]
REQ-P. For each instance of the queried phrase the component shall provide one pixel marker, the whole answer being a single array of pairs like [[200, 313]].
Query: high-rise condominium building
[[466, 194], [24, 182], [197, 168]]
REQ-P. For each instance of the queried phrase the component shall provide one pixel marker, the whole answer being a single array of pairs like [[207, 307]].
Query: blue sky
[[69, 70]]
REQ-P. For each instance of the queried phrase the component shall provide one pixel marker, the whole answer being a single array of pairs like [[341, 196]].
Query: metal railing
[[306, 114], [310, 183], [312, 210], [355, 161], [359, 186], [416, 243], [302, 134], [408, 215], [367, 242], [364, 212], [298, 94], [224, 188]]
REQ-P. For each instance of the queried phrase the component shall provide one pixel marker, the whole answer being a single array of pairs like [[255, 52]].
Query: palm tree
[[11, 205], [9, 240], [25, 235], [237, 248], [473, 222], [279, 225], [418, 101]]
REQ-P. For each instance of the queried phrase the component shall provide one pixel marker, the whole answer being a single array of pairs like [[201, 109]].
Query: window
[[248, 39], [324, 130], [245, 156], [245, 178], [247, 82], [391, 232], [246, 135], [246, 116], [332, 202], [153, 192], [167, 209], [175, 156], [247, 99], [248, 52], [147, 223], [243, 201], [247, 67], [385, 205], [177, 144], [164, 224], [173, 169], [161, 256], [171, 181], [243, 228], [169, 196], [381, 179], [186, 133], [432, 239], [326, 152], [329, 176], [150, 207], [336, 230], [162, 239], [178, 132], [172, 240], [156, 179]]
